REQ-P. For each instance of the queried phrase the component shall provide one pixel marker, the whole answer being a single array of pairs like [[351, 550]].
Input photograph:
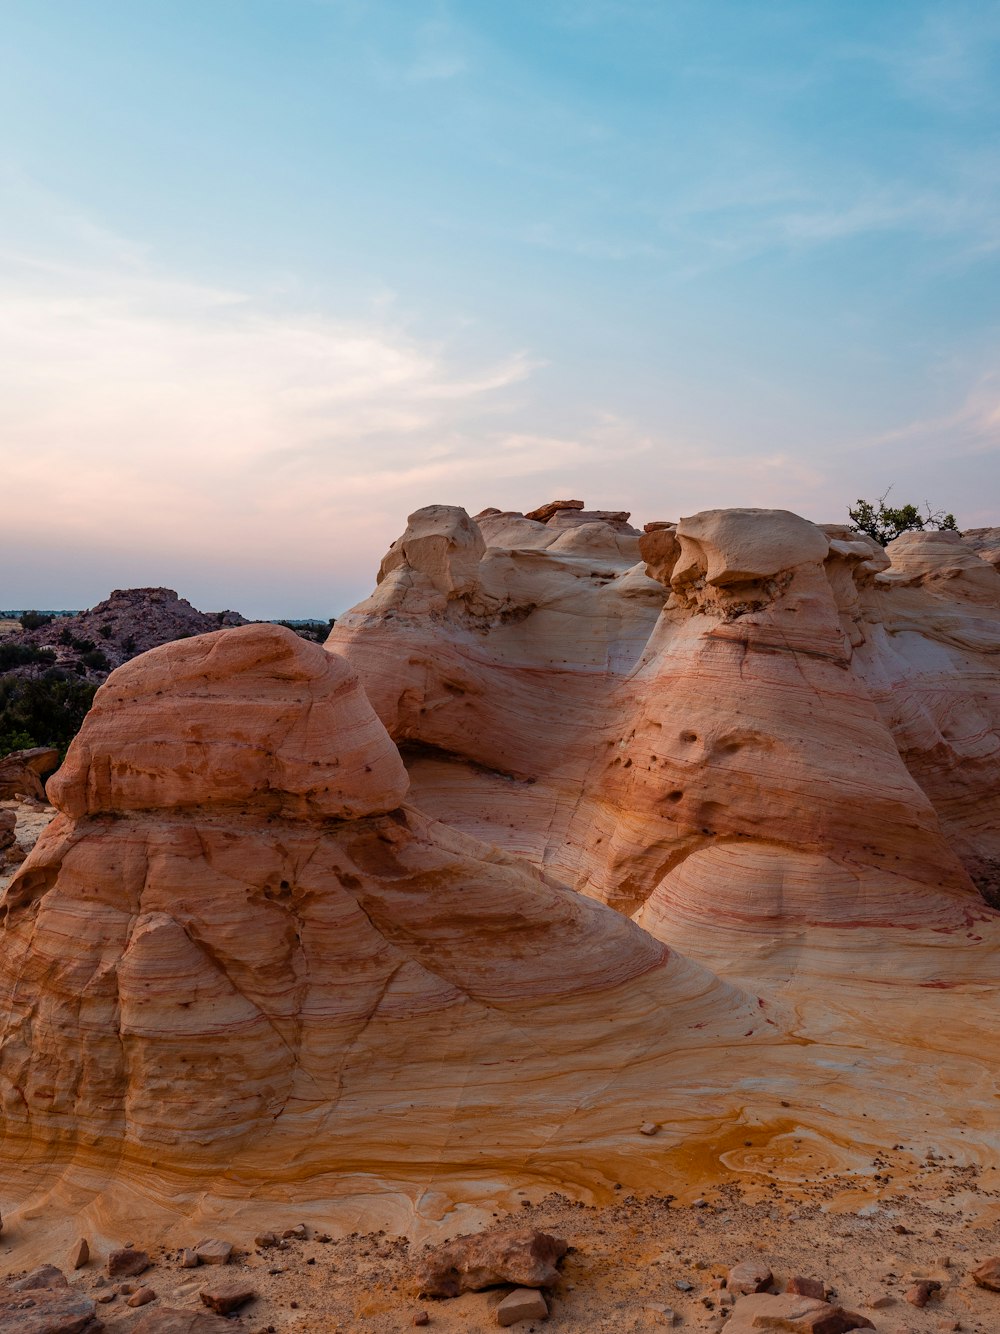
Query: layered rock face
[[761, 718], [238, 965], [775, 745], [572, 829]]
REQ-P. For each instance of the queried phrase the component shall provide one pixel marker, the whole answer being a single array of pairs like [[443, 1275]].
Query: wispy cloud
[[143, 405]]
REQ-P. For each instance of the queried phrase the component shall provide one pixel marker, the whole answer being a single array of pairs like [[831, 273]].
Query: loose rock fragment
[[46, 1276], [141, 1297], [226, 1297], [486, 1259], [663, 1315], [522, 1304], [265, 1240], [921, 1293], [211, 1252], [80, 1254], [649, 1128], [807, 1287], [750, 1276], [421, 1318], [127, 1263], [988, 1274], [189, 1259]]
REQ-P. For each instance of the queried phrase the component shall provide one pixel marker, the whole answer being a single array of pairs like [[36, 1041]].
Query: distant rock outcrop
[[131, 621]]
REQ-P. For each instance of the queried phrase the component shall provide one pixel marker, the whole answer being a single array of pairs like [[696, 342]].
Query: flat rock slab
[[792, 1314], [226, 1297], [47, 1311], [522, 1304], [127, 1263], [211, 1252], [168, 1320], [47, 1276]]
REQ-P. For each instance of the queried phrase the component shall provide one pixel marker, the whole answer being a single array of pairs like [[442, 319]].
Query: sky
[[276, 273]]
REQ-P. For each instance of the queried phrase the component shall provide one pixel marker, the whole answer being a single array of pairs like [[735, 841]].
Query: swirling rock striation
[[238, 965], [760, 707]]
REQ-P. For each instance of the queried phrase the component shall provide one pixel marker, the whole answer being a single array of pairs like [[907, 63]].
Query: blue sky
[[274, 273]]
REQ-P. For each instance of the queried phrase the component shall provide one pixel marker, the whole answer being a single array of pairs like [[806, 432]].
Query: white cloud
[[134, 400]]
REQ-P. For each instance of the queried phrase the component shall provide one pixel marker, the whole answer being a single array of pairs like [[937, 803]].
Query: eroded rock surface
[[237, 944], [774, 744], [574, 832]]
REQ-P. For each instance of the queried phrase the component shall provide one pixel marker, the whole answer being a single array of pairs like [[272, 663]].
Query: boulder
[[214, 1252], [61, 1310], [46, 1276], [528, 1258], [922, 1291], [987, 1275], [545, 512], [226, 1297], [127, 1263], [807, 1287], [749, 1276], [22, 772]]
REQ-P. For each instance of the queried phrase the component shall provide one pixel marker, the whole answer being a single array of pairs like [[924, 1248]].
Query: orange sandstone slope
[[240, 975]]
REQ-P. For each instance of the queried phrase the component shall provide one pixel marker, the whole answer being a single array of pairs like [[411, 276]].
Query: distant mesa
[[131, 621]]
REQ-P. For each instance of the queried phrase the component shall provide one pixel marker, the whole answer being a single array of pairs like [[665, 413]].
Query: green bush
[[13, 654], [885, 524], [41, 711], [34, 620]]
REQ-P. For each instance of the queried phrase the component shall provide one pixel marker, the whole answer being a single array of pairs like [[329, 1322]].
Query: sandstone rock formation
[[574, 832], [22, 772], [774, 744], [759, 700], [238, 964]]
